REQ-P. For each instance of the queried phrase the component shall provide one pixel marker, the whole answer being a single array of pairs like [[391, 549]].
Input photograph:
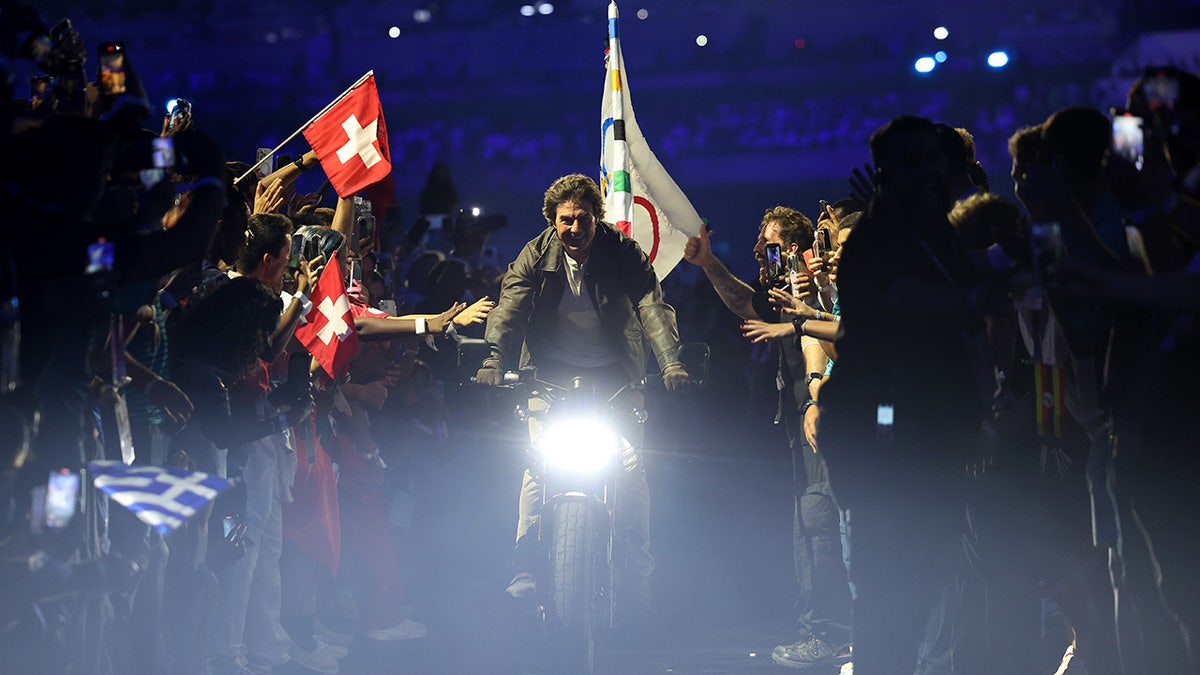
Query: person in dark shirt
[[901, 412]]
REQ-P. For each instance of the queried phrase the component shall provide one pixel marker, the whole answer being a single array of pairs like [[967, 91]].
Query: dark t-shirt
[[795, 372]]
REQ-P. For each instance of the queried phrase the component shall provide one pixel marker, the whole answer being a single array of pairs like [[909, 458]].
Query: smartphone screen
[[164, 152], [62, 496], [774, 261], [1162, 90], [295, 252], [356, 270], [227, 525], [179, 113], [39, 87], [885, 415], [1127, 138], [112, 68], [100, 257]]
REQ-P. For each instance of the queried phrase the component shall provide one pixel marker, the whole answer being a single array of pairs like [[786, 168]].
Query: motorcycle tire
[[572, 558]]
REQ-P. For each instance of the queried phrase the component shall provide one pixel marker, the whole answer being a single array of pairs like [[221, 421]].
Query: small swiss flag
[[351, 141], [328, 332]]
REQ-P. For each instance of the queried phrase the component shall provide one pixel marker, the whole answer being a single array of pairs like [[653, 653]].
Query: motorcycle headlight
[[578, 445]]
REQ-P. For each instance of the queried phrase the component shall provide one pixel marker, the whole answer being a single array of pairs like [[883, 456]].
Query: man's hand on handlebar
[[676, 378], [492, 373]]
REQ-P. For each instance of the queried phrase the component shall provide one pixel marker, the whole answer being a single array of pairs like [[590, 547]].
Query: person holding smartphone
[[823, 605]]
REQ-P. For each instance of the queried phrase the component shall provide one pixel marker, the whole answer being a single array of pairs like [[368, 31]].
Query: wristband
[[799, 325], [810, 403], [422, 328], [299, 163], [451, 331], [814, 376]]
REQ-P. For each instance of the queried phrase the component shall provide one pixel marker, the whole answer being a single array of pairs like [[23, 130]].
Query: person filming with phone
[[823, 605]]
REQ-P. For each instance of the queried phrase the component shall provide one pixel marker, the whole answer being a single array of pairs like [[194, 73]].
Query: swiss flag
[[350, 139], [328, 332]]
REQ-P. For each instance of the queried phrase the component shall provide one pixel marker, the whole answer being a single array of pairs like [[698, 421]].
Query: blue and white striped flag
[[163, 497]]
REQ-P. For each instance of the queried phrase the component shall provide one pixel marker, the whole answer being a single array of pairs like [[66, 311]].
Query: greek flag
[[162, 497]]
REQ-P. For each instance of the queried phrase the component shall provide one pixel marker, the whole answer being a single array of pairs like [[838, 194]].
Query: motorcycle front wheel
[[572, 552]]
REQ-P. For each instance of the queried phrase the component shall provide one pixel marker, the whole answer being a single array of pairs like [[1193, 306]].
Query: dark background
[[774, 110]]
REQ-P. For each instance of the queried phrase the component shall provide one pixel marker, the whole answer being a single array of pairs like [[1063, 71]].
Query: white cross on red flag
[[328, 332], [351, 140]]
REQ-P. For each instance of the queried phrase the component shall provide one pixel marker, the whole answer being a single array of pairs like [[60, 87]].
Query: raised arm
[[735, 293]]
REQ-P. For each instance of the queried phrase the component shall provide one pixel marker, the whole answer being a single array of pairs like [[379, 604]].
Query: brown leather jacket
[[618, 278]]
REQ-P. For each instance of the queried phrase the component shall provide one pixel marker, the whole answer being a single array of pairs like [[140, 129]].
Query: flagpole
[[304, 126]]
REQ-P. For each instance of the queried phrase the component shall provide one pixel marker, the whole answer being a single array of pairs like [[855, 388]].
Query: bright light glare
[[925, 64], [941, 33], [394, 32], [701, 40], [642, 14], [528, 10], [578, 445], [545, 8], [422, 15], [475, 210], [941, 57], [997, 59]]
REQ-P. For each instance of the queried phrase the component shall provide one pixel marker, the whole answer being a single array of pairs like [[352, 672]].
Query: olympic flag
[[640, 197]]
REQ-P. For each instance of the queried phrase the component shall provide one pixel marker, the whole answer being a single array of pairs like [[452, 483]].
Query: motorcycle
[[578, 458]]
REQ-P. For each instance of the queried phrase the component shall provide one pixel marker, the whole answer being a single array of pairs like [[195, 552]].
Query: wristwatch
[[300, 164], [814, 376]]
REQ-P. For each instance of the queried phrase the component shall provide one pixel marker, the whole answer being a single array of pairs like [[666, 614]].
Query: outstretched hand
[[761, 331], [439, 323], [268, 197], [862, 183], [476, 313]]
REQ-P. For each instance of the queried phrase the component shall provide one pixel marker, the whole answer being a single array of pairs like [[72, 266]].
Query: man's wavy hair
[[794, 227], [574, 187]]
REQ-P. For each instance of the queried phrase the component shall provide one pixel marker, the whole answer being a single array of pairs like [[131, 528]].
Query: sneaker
[[336, 651], [1071, 665], [405, 630], [314, 659], [521, 586], [225, 665], [332, 637], [810, 653]]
